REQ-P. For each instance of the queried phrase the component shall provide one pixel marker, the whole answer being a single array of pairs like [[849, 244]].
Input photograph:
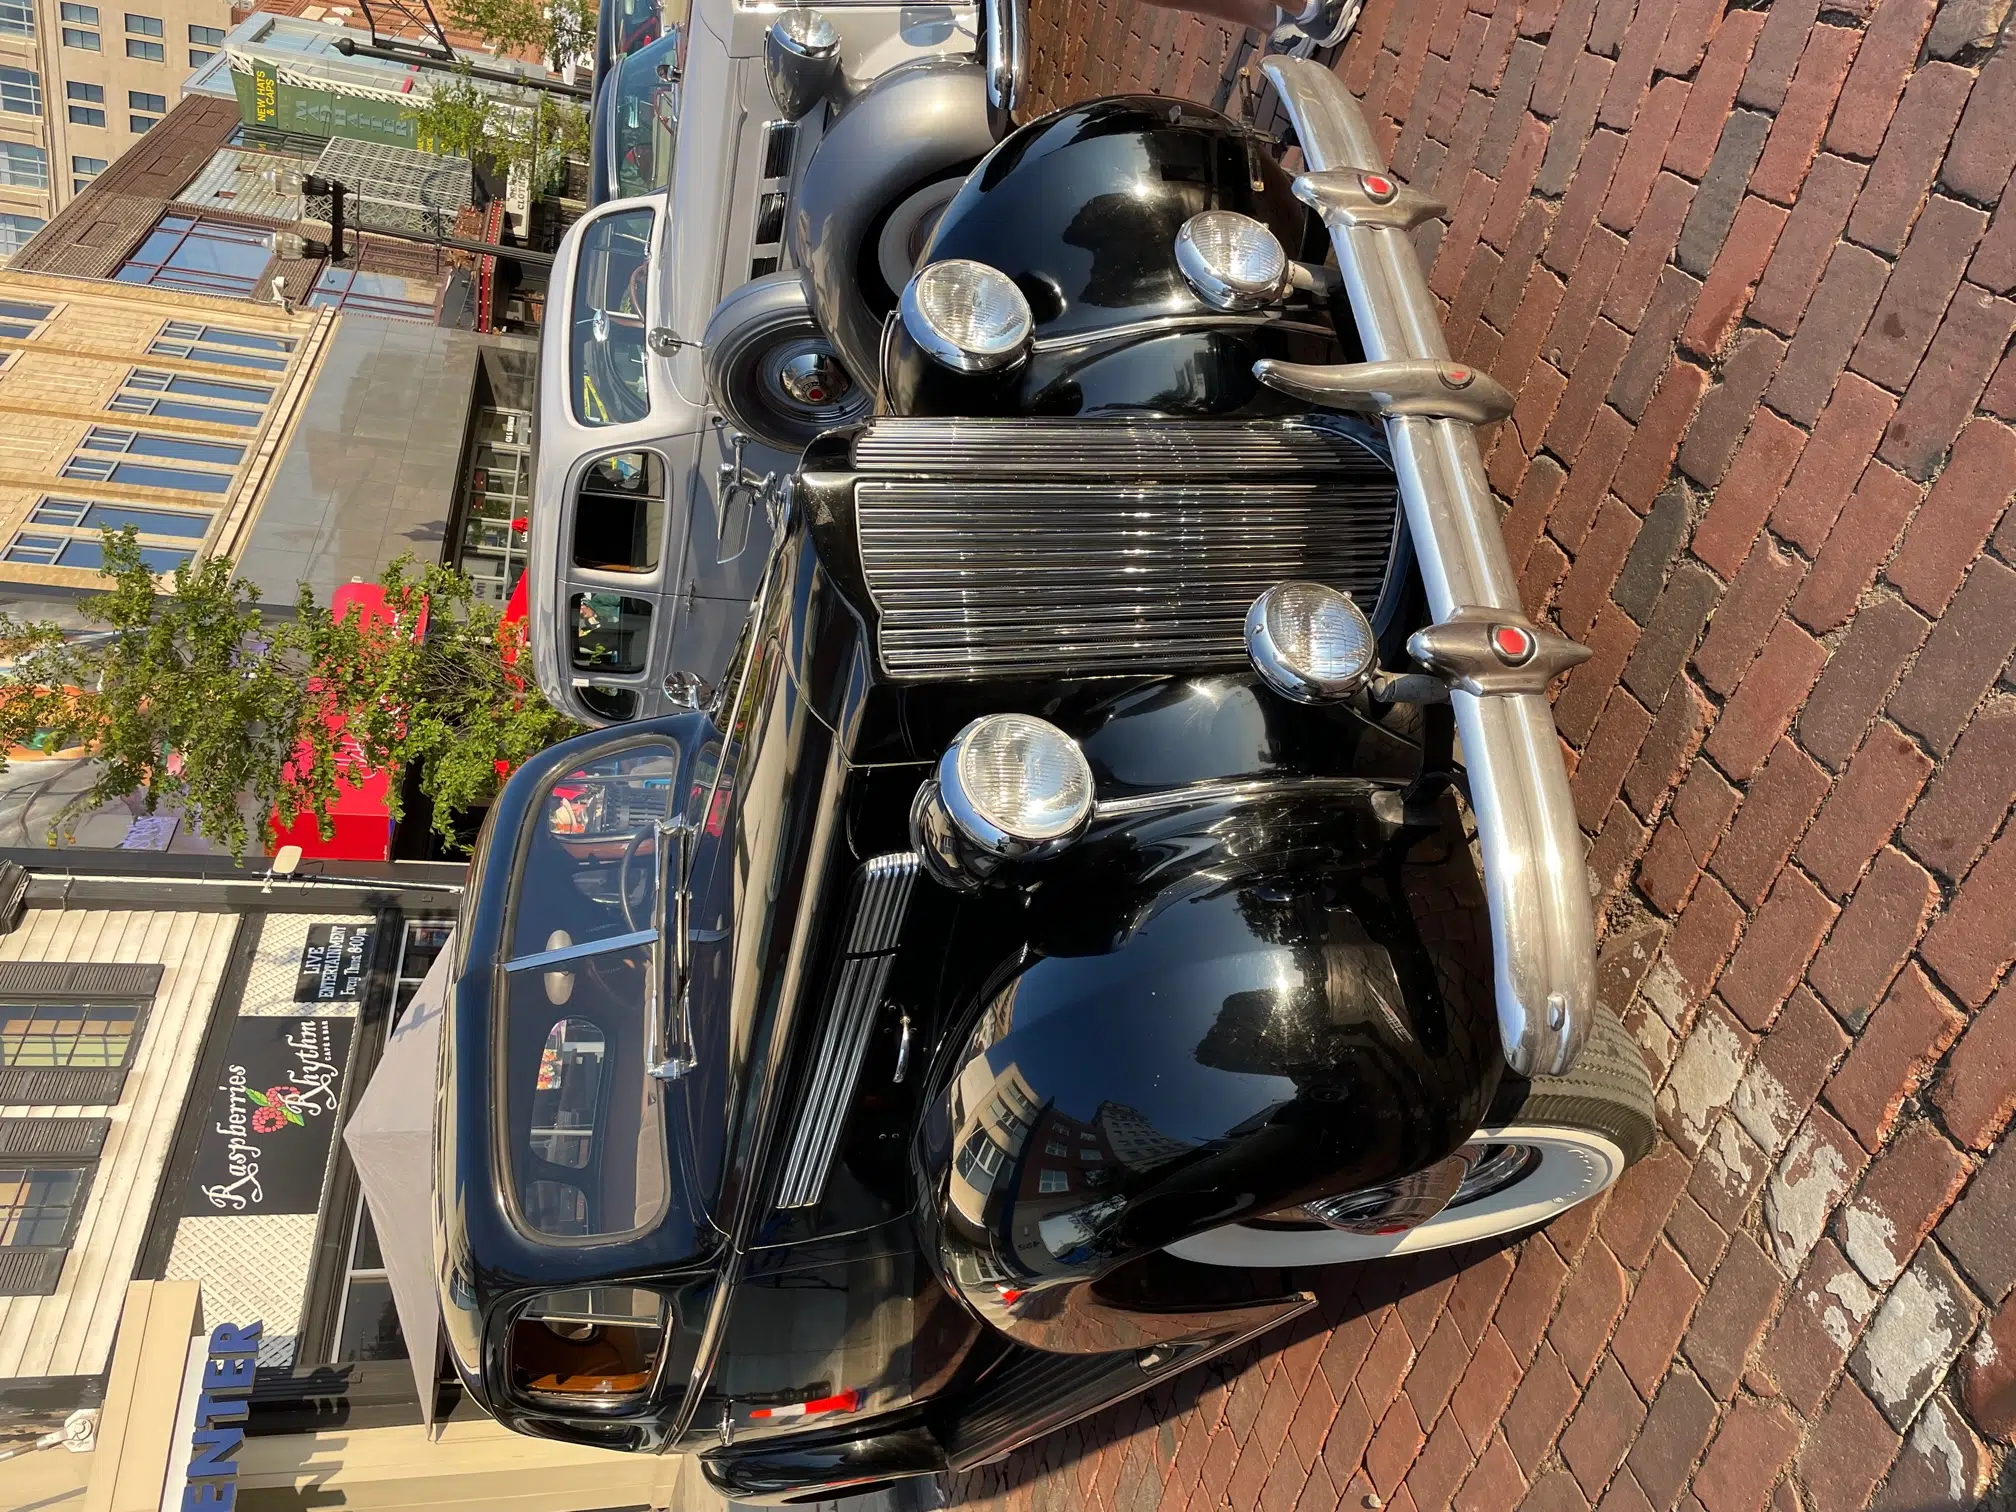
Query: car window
[[598, 1342], [645, 116], [606, 345], [619, 513], [590, 866], [616, 704], [612, 632]]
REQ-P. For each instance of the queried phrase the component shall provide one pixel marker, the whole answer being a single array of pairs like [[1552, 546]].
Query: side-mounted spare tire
[[880, 165], [1549, 1143], [773, 372]]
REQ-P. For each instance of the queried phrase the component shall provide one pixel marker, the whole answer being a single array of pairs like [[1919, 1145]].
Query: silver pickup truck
[[681, 366]]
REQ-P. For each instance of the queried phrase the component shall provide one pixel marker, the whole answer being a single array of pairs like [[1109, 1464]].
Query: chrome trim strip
[[881, 895], [1231, 790], [1165, 323], [1535, 874], [582, 948], [1005, 29]]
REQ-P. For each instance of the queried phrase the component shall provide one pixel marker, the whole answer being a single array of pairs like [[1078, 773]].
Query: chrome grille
[[1028, 548], [780, 141], [881, 894], [769, 219]]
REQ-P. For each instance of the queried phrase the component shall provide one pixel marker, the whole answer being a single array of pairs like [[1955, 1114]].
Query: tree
[[525, 130], [195, 700], [558, 31]]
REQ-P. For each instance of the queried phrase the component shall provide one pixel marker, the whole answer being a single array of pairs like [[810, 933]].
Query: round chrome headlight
[[967, 316], [1015, 786], [805, 32], [1231, 260], [1309, 642]]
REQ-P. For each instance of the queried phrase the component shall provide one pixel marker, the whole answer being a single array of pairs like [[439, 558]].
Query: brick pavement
[[1747, 270]]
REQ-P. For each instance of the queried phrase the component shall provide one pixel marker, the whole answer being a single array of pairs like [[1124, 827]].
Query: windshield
[[606, 346], [644, 117], [584, 1119]]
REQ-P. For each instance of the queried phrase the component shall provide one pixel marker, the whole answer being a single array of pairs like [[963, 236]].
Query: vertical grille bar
[[879, 900]]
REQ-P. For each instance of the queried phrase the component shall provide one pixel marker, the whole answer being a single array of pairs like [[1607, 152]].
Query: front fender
[[911, 125], [1226, 1011]]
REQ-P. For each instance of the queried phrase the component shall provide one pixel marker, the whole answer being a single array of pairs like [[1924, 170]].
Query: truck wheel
[[1547, 1144], [897, 237], [772, 371]]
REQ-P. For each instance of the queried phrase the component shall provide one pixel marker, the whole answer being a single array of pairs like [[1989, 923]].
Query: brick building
[[1749, 271]]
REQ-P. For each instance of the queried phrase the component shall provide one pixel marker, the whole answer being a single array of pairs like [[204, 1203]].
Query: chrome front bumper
[[1543, 931]]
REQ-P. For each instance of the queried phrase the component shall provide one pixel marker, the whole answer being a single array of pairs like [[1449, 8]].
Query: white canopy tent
[[391, 1140]]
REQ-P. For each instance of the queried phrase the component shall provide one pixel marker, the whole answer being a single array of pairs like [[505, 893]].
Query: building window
[[1053, 1181], [142, 26], [198, 57], [16, 230], [132, 443], [33, 548], [20, 321], [99, 1035], [383, 294], [17, 18], [20, 91], [90, 94], [24, 165], [221, 344], [207, 36], [204, 257], [39, 1204], [77, 37], [87, 167], [141, 125], [158, 387], [86, 115], [83, 15], [145, 475], [84, 514], [146, 52], [139, 99]]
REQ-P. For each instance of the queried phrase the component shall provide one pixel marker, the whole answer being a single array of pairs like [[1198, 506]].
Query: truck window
[[612, 632], [606, 351], [619, 513]]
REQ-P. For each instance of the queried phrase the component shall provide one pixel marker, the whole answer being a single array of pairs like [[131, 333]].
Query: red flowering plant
[[194, 699]]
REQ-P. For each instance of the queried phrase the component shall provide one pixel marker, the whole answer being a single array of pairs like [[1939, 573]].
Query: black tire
[[754, 331], [1608, 1090]]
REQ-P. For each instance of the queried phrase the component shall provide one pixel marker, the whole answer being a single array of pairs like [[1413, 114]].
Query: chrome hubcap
[[811, 378]]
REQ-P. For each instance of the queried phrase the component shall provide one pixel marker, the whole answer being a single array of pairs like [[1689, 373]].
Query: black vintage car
[[1129, 860]]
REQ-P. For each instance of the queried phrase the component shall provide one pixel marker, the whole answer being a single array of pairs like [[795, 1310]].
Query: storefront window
[[497, 503]]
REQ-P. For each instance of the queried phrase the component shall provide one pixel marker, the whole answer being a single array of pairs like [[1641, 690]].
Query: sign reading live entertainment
[[266, 1142], [334, 963]]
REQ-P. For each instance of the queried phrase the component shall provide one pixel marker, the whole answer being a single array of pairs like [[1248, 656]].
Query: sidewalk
[[1745, 270]]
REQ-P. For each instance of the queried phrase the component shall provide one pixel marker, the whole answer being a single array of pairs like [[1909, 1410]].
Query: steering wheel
[[623, 876]]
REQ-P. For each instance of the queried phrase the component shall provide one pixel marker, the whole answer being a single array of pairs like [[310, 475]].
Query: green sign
[[265, 99]]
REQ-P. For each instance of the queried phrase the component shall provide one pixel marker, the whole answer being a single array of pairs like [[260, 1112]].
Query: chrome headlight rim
[[1290, 674], [806, 33], [1008, 351], [989, 832], [1209, 273]]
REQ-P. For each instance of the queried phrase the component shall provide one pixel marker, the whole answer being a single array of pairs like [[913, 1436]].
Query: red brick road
[[1746, 272]]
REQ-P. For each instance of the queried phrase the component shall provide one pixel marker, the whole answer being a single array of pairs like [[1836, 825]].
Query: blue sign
[[222, 1407]]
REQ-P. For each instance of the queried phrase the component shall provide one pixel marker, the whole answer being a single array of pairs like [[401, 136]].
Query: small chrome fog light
[[968, 316], [1232, 260], [801, 56], [1008, 788], [1310, 643]]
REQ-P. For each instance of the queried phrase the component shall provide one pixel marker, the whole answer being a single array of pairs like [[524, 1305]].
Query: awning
[[391, 1141]]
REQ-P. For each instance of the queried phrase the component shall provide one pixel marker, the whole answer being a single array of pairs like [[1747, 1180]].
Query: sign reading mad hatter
[[272, 1118]]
